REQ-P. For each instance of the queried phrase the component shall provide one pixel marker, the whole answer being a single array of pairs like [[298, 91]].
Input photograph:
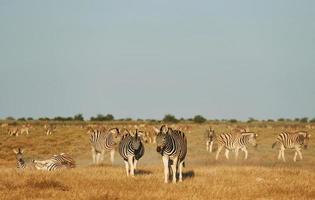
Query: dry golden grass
[[260, 177]]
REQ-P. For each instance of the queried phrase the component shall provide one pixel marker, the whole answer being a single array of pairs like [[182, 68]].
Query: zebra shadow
[[142, 172], [188, 175]]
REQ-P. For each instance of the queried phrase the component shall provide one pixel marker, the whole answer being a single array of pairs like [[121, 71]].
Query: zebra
[[235, 141], [172, 145], [295, 141], [49, 128], [210, 138], [25, 129], [13, 131], [20, 161], [56, 162], [101, 141], [131, 150]]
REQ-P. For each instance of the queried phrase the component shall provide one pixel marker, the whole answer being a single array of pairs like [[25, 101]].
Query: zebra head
[[19, 155], [305, 138], [136, 141], [252, 138], [115, 134], [210, 134], [161, 138]]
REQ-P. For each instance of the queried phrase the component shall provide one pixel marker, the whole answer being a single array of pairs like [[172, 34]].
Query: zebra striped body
[[295, 141], [102, 141], [13, 131], [56, 162], [210, 138], [131, 150], [49, 128], [25, 129], [172, 145], [236, 142]]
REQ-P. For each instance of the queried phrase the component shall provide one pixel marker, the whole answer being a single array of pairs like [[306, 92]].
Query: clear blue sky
[[145, 58]]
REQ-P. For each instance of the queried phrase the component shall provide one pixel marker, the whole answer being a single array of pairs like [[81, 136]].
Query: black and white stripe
[[236, 142], [131, 150], [20, 162], [172, 145], [102, 141], [295, 141], [210, 138]]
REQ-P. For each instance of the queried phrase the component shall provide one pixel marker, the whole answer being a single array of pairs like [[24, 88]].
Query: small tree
[[304, 120], [233, 120], [250, 120], [280, 120], [199, 119], [78, 117], [170, 119], [312, 120]]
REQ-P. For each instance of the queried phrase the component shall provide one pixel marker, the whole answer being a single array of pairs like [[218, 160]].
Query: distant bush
[[250, 120], [30, 119], [100, 117], [199, 119], [63, 118], [297, 119], [10, 118], [233, 120], [280, 120], [270, 120], [78, 117], [312, 120], [304, 120], [170, 119], [21, 119]]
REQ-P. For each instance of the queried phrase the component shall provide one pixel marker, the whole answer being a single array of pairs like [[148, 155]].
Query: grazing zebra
[[102, 141], [131, 150], [25, 129], [56, 162], [20, 161], [210, 138], [13, 131], [49, 128], [235, 141], [295, 141], [172, 145]]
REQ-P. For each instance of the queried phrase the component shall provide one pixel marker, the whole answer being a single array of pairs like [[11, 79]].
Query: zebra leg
[[227, 153], [102, 156], [236, 153], [112, 154], [218, 152], [127, 167], [93, 156], [174, 166], [280, 154], [180, 169], [132, 170], [246, 153], [300, 154], [166, 170], [135, 164], [294, 158], [211, 147], [207, 146]]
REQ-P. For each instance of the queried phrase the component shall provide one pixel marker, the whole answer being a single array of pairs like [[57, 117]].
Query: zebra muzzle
[[159, 149]]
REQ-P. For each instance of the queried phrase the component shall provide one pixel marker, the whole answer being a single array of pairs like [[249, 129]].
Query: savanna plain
[[262, 176]]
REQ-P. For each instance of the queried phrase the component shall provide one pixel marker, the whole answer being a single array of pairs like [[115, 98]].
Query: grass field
[[260, 177]]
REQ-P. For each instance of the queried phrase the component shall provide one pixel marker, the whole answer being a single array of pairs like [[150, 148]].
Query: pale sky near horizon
[[144, 59]]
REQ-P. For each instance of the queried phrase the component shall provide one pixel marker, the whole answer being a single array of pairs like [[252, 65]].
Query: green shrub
[[199, 119], [170, 119]]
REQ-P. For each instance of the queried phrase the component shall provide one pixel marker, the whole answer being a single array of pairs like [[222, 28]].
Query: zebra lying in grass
[[131, 150], [172, 145], [56, 162], [236, 142], [295, 141]]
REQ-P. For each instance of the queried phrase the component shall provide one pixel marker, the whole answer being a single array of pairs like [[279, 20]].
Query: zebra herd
[[240, 140], [171, 144]]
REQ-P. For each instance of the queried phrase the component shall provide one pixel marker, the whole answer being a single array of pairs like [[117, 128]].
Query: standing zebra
[[172, 145], [295, 141], [49, 128], [235, 141], [20, 161], [101, 141], [131, 150], [210, 137]]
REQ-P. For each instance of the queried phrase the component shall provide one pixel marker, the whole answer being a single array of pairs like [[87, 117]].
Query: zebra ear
[[156, 130], [164, 129], [21, 150], [15, 151]]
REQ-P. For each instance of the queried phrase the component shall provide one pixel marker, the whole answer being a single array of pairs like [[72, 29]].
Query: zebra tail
[[274, 144]]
